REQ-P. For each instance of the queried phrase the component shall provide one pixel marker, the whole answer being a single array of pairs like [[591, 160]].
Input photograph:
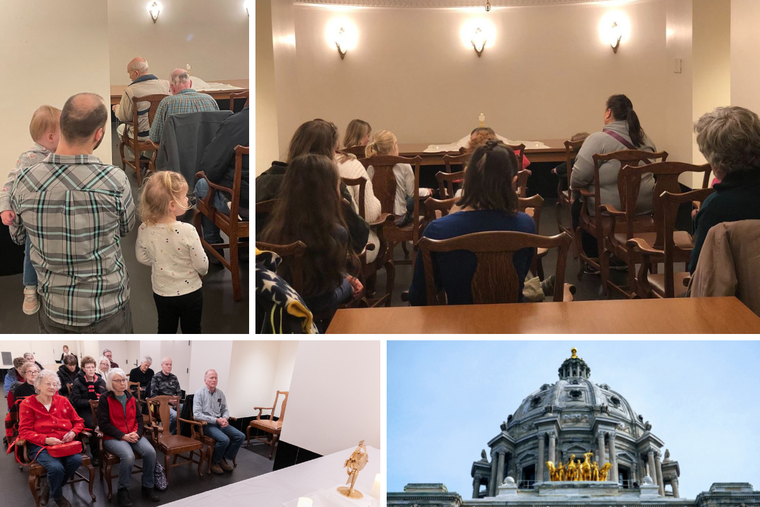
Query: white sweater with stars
[[176, 257]]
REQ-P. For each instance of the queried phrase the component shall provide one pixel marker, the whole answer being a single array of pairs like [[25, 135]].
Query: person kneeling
[[210, 405], [120, 420]]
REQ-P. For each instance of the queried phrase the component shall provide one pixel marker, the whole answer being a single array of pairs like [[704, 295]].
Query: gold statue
[[552, 471], [604, 471], [595, 471], [560, 472], [355, 464], [585, 467], [572, 469], [574, 351]]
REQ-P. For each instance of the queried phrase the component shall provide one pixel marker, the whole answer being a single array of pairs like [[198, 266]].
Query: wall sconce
[[154, 8], [615, 36], [614, 28], [341, 34], [479, 40], [245, 4], [340, 42]]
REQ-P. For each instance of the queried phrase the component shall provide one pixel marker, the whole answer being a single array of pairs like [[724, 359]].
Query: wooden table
[[117, 90], [679, 315], [554, 153]]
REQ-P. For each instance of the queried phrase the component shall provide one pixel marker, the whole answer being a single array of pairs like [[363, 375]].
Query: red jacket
[[36, 423], [111, 420]]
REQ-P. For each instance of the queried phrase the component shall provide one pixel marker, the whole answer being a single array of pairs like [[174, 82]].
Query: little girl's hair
[[381, 144], [159, 190]]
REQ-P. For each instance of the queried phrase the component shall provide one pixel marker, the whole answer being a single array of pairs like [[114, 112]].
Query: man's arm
[[124, 110], [126, 208], [17, 229], [225, 410]]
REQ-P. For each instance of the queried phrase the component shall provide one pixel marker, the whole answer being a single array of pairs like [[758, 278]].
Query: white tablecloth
[[276, 488]]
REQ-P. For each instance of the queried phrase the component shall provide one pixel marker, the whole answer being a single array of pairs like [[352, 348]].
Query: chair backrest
[[437, 208], [571, 150], [460, 160], [154, 100], [284, 404], [242, 94], [495, 279], [160, 404], [94, 411], [354, 182], [294, 254], [446, 181], [669, 203], [384, 180], [666, 176], [240, 152], [134, 387], [533, 203], [358, 151], [519, 150], [522, 182]]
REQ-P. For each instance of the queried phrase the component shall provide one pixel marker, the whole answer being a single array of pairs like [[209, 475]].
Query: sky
[[447, 399]]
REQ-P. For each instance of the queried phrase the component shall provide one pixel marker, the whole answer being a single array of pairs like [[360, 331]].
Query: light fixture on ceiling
[[154, 8], [479, 40]]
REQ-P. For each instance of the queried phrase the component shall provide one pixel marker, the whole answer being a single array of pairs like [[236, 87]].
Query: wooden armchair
[[242, 94], [207, 440], [270, 426], [669, 247], [384, 184], [134, 388], [625, 224], [564, 196], [595, 223], [294, 253], [532, 206], [368, 270], [135, 144], [231, 224], [358, 151], [170, 445], [36, 471], [456, 161], [495, 279], [108, 459], [446, 182]]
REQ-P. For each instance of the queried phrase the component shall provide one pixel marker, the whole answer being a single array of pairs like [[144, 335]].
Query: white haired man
[[143, 374], [183, 100], [210, 405], [143, 83], [165, 383]]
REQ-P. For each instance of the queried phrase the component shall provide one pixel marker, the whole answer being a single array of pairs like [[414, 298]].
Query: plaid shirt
[[75, 208], [36, 154], [186, 101]]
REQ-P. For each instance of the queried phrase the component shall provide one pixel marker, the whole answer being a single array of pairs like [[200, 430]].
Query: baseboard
[[289, 455]]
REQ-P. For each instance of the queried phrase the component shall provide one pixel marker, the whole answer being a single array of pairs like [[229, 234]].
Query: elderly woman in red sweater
[[48, 419]]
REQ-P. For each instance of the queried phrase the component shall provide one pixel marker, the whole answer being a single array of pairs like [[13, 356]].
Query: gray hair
[[24, 367], [205, 375], [179, 76], [106, 350], [41, 376], [103, 358], [28, 354], [147, 359], [140, 66], [729, 138], [111, 374]]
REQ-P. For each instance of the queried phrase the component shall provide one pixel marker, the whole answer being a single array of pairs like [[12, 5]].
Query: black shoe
[[44, 491], [150, 494], [213, 260], [123, 498], [62, 502], [95, 460]]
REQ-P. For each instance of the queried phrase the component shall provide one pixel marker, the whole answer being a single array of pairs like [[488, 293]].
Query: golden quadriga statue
[[573, 470]]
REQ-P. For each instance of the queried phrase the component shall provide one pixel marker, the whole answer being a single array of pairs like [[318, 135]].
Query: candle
[[304, 502], [376, 488]]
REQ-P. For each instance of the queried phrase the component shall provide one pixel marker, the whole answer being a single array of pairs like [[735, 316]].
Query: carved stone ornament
[[548, 409], [535, 401], [605, 387], [509, 418], [574, 381], [483, 456], [545, 387], [571, 419], [615, 401], [647, 426]]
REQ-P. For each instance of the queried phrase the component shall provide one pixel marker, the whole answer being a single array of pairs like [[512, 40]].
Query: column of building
[[658, 465], [552, 448], [652, 471], [500, 469], [613, 475], [674, 482], [540, 464], [600, 451], [476, 486], [492, 482]]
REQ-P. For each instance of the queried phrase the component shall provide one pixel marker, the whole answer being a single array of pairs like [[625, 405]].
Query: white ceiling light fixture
[[154, 8]]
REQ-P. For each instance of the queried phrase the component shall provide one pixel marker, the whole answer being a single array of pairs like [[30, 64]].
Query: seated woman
[[104, 364], [142, 374], [489, 204], [385, 143], [88, 386], [120, 419], [309, 210], [357, 133], [729, 138], [29, 372], [68, 372], [49, 419], [622, 131]]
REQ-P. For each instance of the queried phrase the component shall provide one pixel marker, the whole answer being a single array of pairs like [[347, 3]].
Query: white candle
[[305, 502], [376, 489]]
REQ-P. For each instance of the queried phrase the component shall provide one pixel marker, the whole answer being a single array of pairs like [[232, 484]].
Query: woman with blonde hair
[[174, 252], [357, 133]]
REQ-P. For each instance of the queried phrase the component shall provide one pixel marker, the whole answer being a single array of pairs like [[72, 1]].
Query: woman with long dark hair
[[309, 210], [622, 131], [489, 203]]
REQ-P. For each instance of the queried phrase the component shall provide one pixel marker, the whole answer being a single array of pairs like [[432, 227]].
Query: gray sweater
[[583, 170]]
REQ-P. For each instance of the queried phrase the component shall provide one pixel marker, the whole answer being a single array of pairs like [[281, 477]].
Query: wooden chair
[[368, 270], [69, 386], [170, 445], [671, 246], [519, 150], [460, 160], [294, 252], [625, 224], [522, 182], [108, 459], [532, 206], [36, 471], [564, 196], [134, 387], [595, 224], [270, 426], [135, 144], [207, 440], [231, 224], [358, 151], [446, 182], [242, 94], [495, 279], [384, 184]]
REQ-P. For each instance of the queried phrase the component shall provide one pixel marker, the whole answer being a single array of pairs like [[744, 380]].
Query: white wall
[[546, 75], [334, 396], [266, 107], [51, 50], [211, 36], [287, 90], [679, 85], [745, 54], [180, 353], [208, 355]]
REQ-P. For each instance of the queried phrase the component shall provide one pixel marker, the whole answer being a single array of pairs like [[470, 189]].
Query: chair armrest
[[643, 246], [195, 423], [202, 174], [585, 193], [610, 209], [233, 418], [263, 408], [381, 220]]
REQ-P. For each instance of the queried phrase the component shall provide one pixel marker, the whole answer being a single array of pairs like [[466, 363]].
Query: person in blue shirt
[[489, 203]]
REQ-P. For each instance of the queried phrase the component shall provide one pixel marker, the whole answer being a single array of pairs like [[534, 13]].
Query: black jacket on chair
[[218, 160]]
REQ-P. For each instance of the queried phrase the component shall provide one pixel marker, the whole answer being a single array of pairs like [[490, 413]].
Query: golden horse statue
[[552, 471], [604, 471], [571, 469], [595, 471], [560, 471], [585, 467]]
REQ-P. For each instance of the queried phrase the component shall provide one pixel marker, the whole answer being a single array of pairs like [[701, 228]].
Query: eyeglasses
[[120, 380]]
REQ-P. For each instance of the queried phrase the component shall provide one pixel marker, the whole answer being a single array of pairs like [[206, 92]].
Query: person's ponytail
[[371, 149], [634, 129]]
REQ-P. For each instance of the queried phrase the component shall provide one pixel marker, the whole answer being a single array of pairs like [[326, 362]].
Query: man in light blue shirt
[[210, 405]]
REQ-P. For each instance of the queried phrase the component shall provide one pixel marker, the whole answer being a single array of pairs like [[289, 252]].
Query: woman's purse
[[63, 450]]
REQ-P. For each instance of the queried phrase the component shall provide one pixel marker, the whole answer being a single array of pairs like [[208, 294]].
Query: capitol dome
[[573, 416]]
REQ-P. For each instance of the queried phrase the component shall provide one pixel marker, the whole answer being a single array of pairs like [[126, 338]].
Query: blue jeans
[[228, 441], [59, 470], [210, 231], [126, 453], [30, 275]]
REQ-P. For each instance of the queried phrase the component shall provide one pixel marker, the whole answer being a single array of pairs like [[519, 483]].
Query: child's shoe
[[31, 303]]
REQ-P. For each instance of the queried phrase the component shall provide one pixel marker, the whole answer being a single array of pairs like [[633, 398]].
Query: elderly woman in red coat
[[48, 419]]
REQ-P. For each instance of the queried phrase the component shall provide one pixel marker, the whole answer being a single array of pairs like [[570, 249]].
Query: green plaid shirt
[[186, 101], [74, 209]]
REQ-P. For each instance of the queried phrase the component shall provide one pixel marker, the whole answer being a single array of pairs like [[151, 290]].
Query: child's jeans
[[30, 275]]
